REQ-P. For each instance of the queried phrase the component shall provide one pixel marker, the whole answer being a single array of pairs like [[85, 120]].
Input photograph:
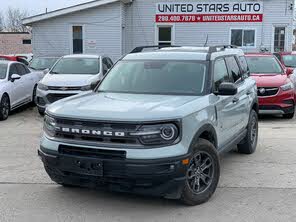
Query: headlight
[[50, 125], [86, 88], [287, 86], [158, 134], [42, 87]]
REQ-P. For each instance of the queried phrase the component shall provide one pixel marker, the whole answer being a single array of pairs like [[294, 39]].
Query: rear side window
[[220, 73], [233, 68]]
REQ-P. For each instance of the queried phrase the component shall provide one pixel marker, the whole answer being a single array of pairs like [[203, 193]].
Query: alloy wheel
[[5, 107], [200, 172]]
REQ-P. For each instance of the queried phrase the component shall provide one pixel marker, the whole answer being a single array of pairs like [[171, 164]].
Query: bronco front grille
[[267, 91], [102, 126]]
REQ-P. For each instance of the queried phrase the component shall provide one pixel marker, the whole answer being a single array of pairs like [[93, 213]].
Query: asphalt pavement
[[260, 187]]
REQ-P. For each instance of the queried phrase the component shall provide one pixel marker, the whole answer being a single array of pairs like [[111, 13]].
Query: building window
[[279, 39], [77, 32], [243, 37], [164, 35], [27, 41]]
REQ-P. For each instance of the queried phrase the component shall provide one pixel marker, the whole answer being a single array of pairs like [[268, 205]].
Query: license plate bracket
[[85, 166]]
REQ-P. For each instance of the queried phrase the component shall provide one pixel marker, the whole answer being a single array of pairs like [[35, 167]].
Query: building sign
[[210, 12]]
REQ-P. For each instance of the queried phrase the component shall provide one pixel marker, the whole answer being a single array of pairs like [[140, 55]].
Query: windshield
[[3, 70], [290, 60], [42, 63], [80, 66], [156, 77], [264, 65]]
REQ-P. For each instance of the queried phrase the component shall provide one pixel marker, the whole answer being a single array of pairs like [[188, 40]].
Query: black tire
[[34, 103], [41, 111], [249, 143], [4, 107], [203, 152]]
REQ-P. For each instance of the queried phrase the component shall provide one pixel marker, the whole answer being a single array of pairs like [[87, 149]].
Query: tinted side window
[[110, 62], [21, 69], [244, 66], [220, 73], [13, 70], [233, 68], [105, 66]]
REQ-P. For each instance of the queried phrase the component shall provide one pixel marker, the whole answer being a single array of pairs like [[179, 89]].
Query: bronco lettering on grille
[[92, 132]]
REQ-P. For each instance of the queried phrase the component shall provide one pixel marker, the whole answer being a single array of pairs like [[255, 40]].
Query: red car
[[14, 58], [288, 60], [275, 89]]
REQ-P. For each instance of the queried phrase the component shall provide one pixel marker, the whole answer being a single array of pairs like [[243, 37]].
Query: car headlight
[[287, 86], [50, 125], [159, 134], [42, 87]]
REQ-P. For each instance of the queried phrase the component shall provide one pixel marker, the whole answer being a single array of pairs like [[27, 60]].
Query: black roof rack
[[222, 47], [141, 48]]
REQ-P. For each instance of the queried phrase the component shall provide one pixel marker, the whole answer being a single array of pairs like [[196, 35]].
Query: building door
[[77, 37], [165, 35], [279, 39]]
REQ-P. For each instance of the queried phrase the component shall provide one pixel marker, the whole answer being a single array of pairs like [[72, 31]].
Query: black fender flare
[[205, 128]]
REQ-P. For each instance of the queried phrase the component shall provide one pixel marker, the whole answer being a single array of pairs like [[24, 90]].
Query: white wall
[[103, 24]]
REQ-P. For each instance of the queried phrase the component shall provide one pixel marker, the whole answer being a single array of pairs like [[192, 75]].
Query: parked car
[[14, 58], [17, 86], [42, 65], [275, 89], [155, 124], [71, 75]]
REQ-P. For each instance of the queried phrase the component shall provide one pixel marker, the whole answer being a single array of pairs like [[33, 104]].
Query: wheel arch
[[255, 106], [206, 132]]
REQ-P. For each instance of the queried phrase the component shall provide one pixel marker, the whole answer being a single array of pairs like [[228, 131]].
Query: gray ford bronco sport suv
[[156, 124]]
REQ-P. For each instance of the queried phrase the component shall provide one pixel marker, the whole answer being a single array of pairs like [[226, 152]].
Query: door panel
[[27, 82], [16, 87]]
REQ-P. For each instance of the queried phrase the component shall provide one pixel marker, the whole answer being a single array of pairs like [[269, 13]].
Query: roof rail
[[221, 47], [141, 48]]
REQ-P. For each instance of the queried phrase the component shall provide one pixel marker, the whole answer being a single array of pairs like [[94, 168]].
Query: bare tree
[[2, 25], [14, 18]]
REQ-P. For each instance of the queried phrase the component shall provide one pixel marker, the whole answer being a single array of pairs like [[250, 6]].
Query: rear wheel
[[249, 144], [203, 174], [4, 107]]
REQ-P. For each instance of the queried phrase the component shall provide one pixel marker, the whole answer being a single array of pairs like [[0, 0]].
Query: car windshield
[[42, 63], [290, 60], [3, 70], [264, 65], [79, 66], [156, 77]]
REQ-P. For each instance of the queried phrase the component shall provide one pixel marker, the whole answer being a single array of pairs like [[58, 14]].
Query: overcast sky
[[38, 6]]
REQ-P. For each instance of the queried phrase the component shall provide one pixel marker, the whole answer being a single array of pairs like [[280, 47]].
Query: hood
[[120, 107], [68, 80], [263, 80]]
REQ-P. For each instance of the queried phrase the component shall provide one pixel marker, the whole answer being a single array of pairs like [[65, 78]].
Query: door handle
[[235, 100]]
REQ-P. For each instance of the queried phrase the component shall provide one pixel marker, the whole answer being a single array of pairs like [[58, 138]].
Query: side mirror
[[45, 71], [289, 71], [14, 77], [227, 89]]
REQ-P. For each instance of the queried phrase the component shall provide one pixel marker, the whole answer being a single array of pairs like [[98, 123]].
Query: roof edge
[[30, 20]]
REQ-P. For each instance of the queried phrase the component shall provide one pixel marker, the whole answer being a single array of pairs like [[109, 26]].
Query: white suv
[[71, 75], [17, 86]]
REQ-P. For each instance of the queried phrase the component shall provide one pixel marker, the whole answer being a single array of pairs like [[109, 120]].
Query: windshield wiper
[[54, 72]]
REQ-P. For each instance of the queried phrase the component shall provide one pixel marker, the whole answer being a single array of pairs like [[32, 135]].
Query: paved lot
[[261, 187]]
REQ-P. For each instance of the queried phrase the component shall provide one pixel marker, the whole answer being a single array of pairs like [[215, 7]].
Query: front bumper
[[282, 103], [163, 177]]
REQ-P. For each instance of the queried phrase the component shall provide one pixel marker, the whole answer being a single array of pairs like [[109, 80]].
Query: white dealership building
[[115, 27]]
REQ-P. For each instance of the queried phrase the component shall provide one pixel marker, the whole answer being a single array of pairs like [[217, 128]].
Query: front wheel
[[249, 144], [4, 107], [202, 175]]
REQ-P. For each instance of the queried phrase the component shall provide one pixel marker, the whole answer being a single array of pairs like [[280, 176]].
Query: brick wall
[[12, 43]]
